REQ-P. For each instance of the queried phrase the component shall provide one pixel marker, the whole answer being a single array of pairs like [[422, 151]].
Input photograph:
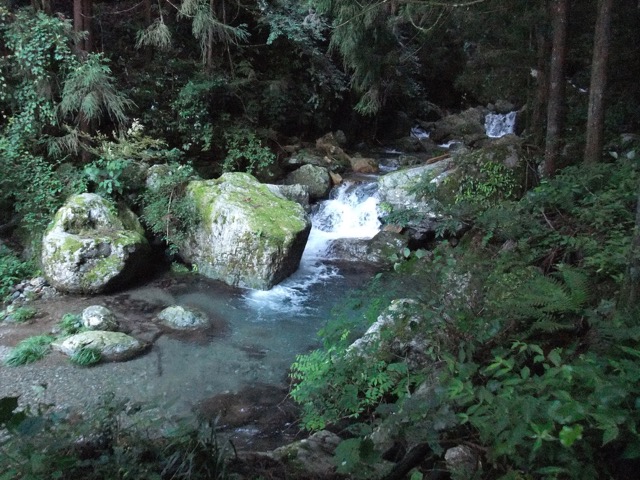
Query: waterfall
[[350, 212], [498, 125]]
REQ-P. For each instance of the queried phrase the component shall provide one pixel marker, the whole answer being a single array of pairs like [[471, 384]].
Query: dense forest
[[523, 304]]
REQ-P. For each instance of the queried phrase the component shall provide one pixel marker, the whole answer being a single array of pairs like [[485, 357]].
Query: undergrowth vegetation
[[111, 443], [527, 358]]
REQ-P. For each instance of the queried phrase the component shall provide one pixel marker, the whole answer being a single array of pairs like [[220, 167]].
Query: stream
[[234, 373]]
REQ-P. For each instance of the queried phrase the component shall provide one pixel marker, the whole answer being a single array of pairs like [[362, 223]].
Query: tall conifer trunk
[[82, 12], [555, 110], [595, 119], [630, 291]]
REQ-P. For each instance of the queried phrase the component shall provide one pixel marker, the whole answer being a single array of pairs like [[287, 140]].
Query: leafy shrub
[[537, 371], [29, 350], [41, 444], [245, 152], [119, 168], [166, 210], [12, 270]]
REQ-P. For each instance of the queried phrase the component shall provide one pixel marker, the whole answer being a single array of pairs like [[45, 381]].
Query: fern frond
[[89, 91], [69, 143], [577, 285], [155, 35], [548, 325]]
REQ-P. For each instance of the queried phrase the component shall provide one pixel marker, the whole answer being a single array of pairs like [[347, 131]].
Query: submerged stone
[[182, 318], [247, 236]]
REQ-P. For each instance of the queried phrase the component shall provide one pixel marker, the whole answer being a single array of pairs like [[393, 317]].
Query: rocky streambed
[[233, 371]]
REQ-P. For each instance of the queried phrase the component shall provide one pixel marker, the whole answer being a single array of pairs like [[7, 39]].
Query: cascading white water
[[498, 125], [350, 212]]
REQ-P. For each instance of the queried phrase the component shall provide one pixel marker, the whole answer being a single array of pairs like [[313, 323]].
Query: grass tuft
[[86, 356], [29, 350]]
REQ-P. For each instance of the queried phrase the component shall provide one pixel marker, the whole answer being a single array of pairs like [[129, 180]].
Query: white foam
[[498, 125], [351, 212]]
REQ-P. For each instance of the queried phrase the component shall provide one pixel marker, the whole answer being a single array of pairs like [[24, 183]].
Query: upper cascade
[[498, 125]]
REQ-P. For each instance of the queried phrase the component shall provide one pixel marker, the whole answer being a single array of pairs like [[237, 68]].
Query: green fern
[[553, 302]]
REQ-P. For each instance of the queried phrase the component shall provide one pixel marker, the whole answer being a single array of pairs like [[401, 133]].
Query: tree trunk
[[555, 109], [208, 65], [82, 12], [630, 291], [595, 119], [147, 11], [542, 88]]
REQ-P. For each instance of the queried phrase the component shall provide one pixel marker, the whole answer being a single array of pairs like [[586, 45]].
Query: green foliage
[[492, 182], [22, 314], [339, 382], [583, 213], [207, 27], [35, 187], [29, 350], [70, 324], [166, 210], [89, 93], [121, 163], [43, 444], [12, 270], [377, 45], [197, 108], [536, 369], [245, 152], [40, 45], [86, 356]]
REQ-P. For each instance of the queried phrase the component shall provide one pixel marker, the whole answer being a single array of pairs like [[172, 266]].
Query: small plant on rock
[[70, 324], [86, 356]]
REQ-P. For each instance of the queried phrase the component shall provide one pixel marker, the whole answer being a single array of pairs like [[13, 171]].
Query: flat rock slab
[[114, 346]]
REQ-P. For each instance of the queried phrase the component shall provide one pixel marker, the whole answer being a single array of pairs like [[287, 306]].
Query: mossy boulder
[[486, 175], [402, 189], [113, 346], [467, 126], [92, 245], [316, 179], [247, 236]]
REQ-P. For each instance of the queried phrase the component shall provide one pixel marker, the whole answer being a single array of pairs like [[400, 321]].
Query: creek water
[[237, 369]]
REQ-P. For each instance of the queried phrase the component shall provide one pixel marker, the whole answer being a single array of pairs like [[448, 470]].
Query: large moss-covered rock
[[92, 245], [400, 190], [247, 236]]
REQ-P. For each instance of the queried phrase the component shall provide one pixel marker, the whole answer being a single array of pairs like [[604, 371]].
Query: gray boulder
[[316, 179], [312, 456], [247, 236], [113, 346], [397, 189], [295, 193], [97, 317], [92, 245], [378, 251], [181, 318], [467, 126], [393, 334]]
